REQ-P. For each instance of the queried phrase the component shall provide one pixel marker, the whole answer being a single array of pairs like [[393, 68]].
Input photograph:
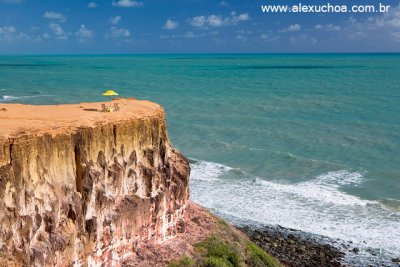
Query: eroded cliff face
[[90, 194]]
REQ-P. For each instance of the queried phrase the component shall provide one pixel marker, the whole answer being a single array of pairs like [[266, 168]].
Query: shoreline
[[293, 248], [297, 248]]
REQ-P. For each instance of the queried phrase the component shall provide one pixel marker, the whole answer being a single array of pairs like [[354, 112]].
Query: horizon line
[[198, 53]]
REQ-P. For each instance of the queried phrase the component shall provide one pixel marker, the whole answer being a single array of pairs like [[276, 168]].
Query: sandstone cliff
[[80, 186]]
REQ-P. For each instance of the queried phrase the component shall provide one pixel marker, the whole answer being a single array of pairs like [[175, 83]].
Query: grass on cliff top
[[216, 252]]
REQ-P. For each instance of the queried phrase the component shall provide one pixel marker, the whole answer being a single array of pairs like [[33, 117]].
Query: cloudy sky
[[191, 26]]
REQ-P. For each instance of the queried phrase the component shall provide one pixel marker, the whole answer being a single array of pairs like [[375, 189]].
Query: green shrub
[[218, 253], [259, 258], [215, 262], [184, 262]]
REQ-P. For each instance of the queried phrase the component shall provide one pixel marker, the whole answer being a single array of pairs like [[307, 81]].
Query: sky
[[191, 26]]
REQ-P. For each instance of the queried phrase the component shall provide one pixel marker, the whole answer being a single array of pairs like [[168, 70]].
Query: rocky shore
[[294, 249]]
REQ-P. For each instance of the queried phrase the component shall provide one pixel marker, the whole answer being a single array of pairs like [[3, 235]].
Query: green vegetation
[[259, 258], [216, 253], [215, 262], [226, 247], [184, 262], [219, 252]]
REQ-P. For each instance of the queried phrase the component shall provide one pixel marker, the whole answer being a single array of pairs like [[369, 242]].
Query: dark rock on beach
[[396, 260], [292, 248]]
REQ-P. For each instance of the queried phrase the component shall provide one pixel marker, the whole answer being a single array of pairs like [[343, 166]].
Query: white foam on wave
[[319, 194], [203, 170], [340, 178], [12, 98], [316, 206], [256, 149], [324, 189]]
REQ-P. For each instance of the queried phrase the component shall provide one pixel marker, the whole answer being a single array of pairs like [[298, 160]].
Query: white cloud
[[22, 36], [171, 25], [118, 33], [7, 29], [224, 3], [46, 35], [198, 21], [237, 18], [127, 3], [382, 27], [10, 34], [396, 36], [7, 33], [190, 34], [115, 20], [58, 31], [92, 5], [269, 38], [217, 20], [241, 37], [303, 40], [84, 33], [292, 28], [54, 15], [390, 19], [328, 27]]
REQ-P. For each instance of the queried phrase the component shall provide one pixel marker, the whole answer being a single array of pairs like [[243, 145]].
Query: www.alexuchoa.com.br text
[[325, 8]]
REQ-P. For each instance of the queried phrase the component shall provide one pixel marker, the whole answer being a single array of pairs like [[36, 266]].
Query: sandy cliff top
[[19, 119]]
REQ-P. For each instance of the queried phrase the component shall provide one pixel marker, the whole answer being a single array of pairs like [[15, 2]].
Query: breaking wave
[[317, 205]]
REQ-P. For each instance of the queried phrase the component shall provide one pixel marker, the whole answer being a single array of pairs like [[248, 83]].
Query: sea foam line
[[203, 170], [11, 98], [316, 206]]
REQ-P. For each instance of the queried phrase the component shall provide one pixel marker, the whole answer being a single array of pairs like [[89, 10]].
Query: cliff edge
[[82, 187]]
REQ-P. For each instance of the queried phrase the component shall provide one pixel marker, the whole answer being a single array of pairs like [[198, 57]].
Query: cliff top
[[19, 119]]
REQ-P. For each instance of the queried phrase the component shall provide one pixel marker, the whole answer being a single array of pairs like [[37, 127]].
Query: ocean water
[[310, 142]]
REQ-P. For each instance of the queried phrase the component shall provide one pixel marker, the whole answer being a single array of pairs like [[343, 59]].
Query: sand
[[19, 119]]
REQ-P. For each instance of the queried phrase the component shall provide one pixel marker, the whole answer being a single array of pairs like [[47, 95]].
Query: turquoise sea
[[310, 142]]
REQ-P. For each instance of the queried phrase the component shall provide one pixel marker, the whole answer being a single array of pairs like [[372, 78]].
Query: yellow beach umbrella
[[109, 108], [110, 93]]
